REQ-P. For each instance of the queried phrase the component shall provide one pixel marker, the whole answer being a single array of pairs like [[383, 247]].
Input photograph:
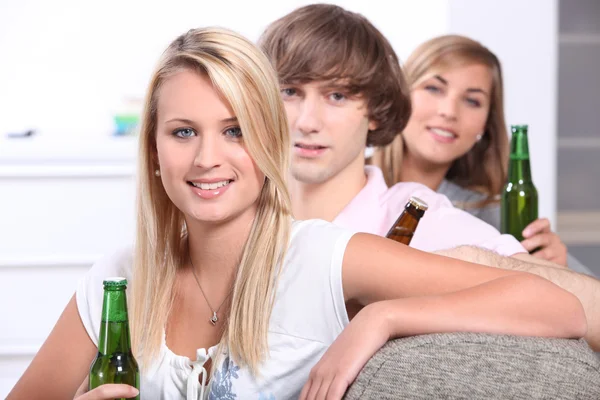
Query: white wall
[[56, 221], [65, 72], [66, 197], [524, 35]]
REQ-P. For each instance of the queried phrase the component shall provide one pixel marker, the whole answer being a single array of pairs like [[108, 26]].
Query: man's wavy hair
[[324, 42]]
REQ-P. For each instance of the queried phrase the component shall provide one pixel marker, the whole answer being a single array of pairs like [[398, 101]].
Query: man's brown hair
[[324, 42]]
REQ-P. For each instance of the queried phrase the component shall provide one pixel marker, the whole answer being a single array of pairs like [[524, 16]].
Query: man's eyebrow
[[345, 87]]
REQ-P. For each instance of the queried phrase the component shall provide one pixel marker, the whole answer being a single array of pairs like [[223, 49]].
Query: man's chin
[[310, 176]]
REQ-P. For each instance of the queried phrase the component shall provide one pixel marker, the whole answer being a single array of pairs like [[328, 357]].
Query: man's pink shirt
[[376, 207]]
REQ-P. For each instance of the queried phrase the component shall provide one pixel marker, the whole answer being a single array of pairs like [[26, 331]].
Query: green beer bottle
[[519, 203], [115, 362]]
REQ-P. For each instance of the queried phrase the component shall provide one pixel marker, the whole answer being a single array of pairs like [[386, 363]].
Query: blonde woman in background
[[215, 236], [456, 141]]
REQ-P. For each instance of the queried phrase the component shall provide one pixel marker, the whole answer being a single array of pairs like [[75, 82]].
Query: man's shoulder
[[397, 196]]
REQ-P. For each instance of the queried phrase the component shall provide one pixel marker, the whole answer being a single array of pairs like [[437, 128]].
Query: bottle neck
[[114, 329], [519, 168], [415, 212], [519, 171]]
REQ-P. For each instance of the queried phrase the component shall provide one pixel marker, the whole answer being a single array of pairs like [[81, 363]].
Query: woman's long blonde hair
[[246, 80], [483, 168]]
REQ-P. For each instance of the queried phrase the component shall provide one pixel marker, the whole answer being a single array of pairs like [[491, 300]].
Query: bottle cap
[[519, 128], [418, 203], [115, 282]]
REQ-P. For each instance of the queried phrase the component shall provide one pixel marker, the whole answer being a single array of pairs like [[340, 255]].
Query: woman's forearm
[[522, 304]]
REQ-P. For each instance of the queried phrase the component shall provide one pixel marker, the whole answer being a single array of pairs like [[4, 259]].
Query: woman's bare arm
[[62, 362], [458, 295]]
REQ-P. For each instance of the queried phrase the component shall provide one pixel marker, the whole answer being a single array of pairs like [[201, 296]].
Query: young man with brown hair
[[344, 90]]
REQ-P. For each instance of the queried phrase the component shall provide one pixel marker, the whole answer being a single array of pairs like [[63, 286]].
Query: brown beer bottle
[[405, 226]]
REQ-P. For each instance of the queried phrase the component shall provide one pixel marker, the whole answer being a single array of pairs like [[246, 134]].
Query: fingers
[[547, 246], [322, 392], [323, 389], [552, 254], [537, 242], [83, 387], [305, 390], [540, 225], [313, 386], [337, 389], [543, 254], [543, 243], [109, 392]]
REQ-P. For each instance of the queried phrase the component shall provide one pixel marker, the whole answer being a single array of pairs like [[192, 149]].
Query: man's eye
[[288, 91], [337, 96]]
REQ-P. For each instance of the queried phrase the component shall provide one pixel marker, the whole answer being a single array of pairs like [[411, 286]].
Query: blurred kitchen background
[[73, 75]]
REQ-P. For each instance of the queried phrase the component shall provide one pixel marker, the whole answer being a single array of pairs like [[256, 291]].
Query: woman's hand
[[348, 354], [538, 235], [105, 392]]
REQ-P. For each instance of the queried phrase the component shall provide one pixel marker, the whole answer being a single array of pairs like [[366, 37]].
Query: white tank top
[[308, 314]]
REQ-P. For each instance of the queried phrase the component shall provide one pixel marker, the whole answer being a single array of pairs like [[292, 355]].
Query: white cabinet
[[60, 210]]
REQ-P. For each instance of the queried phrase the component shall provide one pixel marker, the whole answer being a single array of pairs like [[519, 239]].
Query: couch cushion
[[479, 366]]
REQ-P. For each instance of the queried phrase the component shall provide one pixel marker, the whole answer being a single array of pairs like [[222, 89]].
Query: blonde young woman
[[215, 236], [456, 141]]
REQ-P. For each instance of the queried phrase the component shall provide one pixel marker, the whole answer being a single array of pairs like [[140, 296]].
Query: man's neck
[[326, 200], [430, 175]]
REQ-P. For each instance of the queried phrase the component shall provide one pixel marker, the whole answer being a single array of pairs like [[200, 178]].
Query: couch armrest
[[479, 366]]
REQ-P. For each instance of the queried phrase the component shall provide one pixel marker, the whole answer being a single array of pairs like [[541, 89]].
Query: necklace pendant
[[214, 319]]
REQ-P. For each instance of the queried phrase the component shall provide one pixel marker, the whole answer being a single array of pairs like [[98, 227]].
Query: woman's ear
[[373, 125]]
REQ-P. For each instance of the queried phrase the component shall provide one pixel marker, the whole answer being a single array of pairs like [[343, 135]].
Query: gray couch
[[479, 366]]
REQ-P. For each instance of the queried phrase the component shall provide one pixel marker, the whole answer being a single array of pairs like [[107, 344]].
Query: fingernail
[[135, 392]]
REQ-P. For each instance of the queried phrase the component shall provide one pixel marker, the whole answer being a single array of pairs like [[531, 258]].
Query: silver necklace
[[213, 320]]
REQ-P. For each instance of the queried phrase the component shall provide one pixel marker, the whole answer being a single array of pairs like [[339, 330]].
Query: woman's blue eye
[[235, 132], [432, 89], [184, 133], [474, 103]]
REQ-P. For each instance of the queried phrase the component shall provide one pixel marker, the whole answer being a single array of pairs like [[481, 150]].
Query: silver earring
[[157, 172], [479, 137]]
